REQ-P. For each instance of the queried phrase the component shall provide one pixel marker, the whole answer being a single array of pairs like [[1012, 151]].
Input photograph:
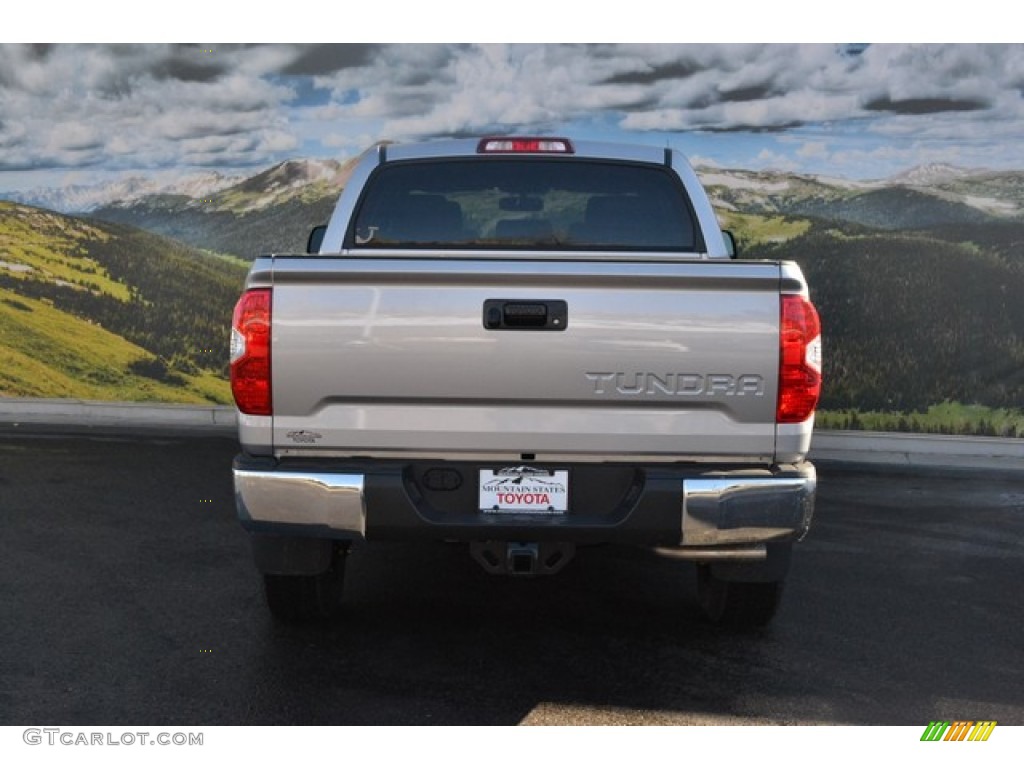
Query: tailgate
[[401, 356]]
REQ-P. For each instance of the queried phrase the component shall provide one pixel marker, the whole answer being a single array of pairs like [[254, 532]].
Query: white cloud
[[138, 106], [162, 106]]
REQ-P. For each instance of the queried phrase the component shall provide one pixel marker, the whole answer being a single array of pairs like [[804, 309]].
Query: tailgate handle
[[520, 315]]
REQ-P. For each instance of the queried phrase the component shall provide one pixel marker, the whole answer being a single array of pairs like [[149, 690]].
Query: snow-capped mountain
[[932, 174], [924, 196], [84, 198]]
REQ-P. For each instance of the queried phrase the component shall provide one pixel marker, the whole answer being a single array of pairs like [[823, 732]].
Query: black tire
[[742, 605], [300, 599]]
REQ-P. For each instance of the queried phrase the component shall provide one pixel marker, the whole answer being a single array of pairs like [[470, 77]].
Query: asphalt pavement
[[129, 596]]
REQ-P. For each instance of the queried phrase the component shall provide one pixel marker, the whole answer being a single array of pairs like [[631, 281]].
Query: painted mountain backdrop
[[919, 279]]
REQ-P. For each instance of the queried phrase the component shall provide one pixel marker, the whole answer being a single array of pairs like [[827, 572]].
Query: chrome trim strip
[[323, 499], [747, 510]]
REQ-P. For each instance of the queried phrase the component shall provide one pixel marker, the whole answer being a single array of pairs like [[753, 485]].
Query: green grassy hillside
[[100, 311], [281, 228]]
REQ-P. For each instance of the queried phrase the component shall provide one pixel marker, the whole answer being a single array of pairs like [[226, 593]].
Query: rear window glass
[[524, 203]]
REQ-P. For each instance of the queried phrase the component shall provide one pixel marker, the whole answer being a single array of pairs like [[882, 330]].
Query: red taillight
[[505, 145], [250, 353], [799, 360]]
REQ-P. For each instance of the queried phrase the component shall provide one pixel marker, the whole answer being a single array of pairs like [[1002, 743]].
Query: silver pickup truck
[[526, 345]]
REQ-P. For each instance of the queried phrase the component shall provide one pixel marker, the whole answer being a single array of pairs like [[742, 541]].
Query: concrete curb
[[913, 450], [91, 415], [897, 450]]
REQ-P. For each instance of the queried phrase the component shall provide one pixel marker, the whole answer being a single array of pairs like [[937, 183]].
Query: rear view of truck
[[529, 346]]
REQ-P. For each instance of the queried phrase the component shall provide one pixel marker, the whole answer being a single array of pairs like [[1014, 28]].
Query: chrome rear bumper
[[327, 503], [721, 511], [733, 511]]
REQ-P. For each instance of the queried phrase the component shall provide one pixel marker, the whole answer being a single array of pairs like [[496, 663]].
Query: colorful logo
[[961, 730]]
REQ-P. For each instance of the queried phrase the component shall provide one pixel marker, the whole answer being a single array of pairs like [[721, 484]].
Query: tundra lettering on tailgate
[[681, 384]]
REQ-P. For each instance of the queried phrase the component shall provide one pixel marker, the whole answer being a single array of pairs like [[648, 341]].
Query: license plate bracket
[[524, 491]]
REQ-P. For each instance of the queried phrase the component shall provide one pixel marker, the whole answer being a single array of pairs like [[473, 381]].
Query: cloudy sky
[[80, 113]]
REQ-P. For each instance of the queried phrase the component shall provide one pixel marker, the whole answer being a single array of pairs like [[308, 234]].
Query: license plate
[[524, 491]]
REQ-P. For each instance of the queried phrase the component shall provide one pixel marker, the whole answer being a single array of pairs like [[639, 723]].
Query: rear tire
[[297, 599], [742, 605]]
